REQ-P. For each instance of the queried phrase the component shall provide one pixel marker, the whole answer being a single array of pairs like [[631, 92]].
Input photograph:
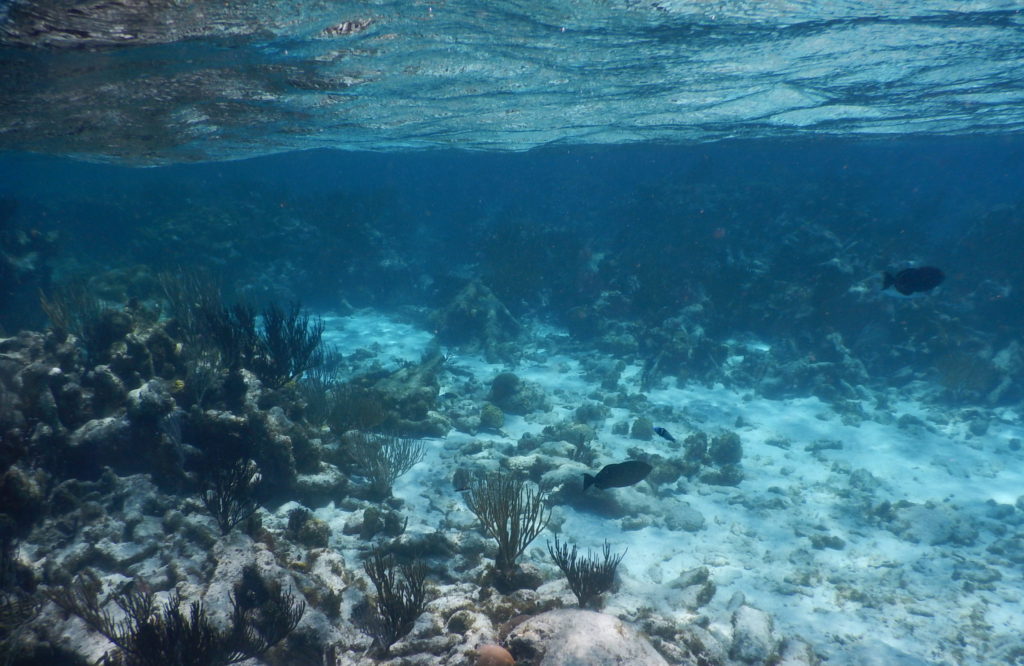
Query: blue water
[[921, 194], [686, 206]]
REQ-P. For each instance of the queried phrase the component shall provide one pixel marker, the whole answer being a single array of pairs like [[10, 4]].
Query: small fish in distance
[[661, 432], [912, 282], [618, 475]]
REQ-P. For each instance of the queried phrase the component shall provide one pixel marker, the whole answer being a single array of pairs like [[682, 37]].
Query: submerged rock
[[108, 389], [493, 655], [642, 429], [795, 652], [933, 524], [753, 640], [515, 396], [101, 441], [491, 417], [697, 587], [150, 401], [572, 637], [477, 318], [725, 449], [410, 395]]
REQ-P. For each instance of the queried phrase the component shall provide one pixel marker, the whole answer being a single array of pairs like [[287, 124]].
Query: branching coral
[[511, 512], [73, 308], [191, 295], [289, 345], [589, 577], [384, 458], [401, 597], [262, 616], [280, 349], [17, 607], [230, 493]]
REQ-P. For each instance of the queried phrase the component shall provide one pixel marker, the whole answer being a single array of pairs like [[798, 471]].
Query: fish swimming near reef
[[618, 475], [661, 432], [911, 282]]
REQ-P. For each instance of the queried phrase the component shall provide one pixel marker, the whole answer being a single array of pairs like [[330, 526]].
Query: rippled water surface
[[162, 81]]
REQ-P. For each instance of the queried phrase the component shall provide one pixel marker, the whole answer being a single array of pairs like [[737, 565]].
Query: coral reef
[[262, 616], [185, 487]]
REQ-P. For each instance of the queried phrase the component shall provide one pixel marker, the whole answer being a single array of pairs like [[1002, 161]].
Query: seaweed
[[16, 611], [280, 351], [279, 345], [233, 330], [262, 614], [321, 387], [8, 553], [17, 606], [965, 375]]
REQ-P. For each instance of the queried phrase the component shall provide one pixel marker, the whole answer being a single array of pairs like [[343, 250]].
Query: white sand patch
[[880, 598], [392, 342]]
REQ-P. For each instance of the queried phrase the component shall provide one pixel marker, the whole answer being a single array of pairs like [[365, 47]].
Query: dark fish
[[911, 281], [618, 475], [661, 432]]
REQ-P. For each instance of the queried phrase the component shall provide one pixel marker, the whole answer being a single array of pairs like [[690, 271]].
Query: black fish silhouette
[[618, 475], [912, 281], [664, 433]]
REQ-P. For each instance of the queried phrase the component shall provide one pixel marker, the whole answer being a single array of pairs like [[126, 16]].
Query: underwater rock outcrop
[[477, 319], [569, 637], [516, 396], [716, 460], [411, 396], [753, 640]]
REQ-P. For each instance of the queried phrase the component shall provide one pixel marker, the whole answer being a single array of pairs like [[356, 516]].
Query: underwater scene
[[485, 333]]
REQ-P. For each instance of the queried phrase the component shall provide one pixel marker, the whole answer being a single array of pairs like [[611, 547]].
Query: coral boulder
[[576, 637]]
